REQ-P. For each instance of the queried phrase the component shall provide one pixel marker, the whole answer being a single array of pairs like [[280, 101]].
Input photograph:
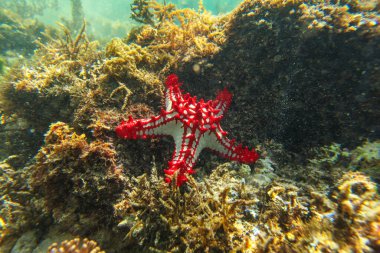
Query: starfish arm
[[219, 143], [178, 169], [222, 102], [145, 128], [188, 147], [173, 94]]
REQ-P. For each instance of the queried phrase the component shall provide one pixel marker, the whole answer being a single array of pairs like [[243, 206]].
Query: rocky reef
[[305, 79], [305, 71]]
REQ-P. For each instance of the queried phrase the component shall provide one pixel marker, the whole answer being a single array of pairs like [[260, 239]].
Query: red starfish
[[193, 125]]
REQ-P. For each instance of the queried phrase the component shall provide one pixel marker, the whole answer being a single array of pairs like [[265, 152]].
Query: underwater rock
[[26, 243], [296, 68], [366, 158]]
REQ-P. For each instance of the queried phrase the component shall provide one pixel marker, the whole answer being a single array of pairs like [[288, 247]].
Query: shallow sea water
[[189, 126]]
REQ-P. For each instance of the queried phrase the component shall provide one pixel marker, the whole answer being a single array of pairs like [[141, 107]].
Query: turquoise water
[[101, 14]]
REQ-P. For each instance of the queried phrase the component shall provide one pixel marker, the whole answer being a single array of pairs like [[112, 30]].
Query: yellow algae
[[68, 168], [207, 216]]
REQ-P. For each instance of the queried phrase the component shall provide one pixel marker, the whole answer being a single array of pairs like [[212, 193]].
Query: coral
[[364, 158], [75, 246], [365, 5], [284, 207], [193, 125], [326, 166], [72, 79], [61, 66]]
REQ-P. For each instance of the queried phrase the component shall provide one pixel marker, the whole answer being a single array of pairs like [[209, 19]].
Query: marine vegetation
[[181, 36], [315, 223], [207, 217], [17, 35], [305, 79], [365, 158], [71, 79], [193, 125], [30, 8], [77, 15], [141, 13], [73, 176], [222, 213], [38, 93], [15, 201]]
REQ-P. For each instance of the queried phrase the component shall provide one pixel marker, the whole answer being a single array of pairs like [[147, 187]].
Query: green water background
[[102, 14]]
